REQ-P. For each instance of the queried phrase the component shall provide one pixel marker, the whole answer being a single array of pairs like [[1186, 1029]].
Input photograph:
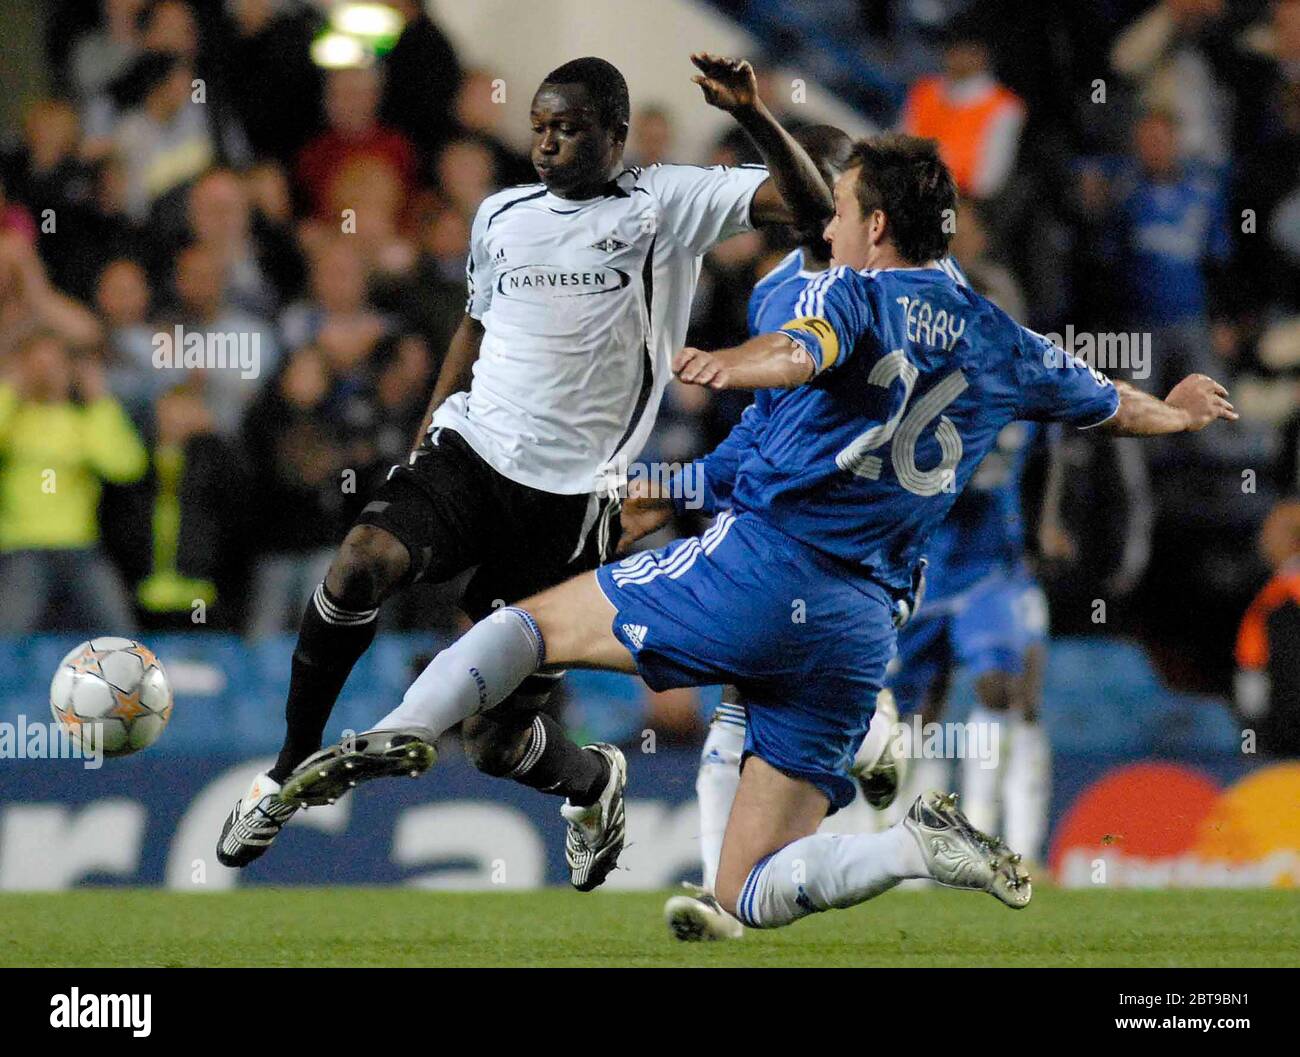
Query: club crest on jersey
[[609, 244]]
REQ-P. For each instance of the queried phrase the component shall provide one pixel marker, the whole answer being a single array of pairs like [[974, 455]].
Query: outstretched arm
[[1191, 405], [768, 361], [796, 192]]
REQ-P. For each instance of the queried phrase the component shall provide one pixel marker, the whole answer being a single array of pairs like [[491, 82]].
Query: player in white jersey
[[579, 293]]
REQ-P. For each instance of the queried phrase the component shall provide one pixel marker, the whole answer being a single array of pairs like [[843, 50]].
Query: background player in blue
[[898, 381], [984, 612]]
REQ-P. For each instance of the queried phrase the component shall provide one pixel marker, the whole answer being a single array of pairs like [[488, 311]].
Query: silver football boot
[[960, 856]]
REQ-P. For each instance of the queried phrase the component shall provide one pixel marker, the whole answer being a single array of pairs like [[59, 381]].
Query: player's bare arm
[[796, 193], [462, 351], [1191, 405], [767, 361]]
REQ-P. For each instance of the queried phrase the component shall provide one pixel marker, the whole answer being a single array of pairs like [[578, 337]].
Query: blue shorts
[[804, 639], [987, 628]]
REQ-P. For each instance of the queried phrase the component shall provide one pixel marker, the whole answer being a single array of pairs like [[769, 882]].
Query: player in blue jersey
[[771, 303], [896, 382], [877, 764]]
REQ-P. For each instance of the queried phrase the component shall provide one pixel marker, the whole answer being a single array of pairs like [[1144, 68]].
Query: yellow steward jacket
[[52, 460]]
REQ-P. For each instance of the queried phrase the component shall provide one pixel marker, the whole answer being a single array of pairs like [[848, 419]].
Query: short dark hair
[[829, 147], [604, 83], [905, 178]]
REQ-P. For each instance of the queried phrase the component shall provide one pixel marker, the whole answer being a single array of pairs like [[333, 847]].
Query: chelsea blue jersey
[[915, 377]]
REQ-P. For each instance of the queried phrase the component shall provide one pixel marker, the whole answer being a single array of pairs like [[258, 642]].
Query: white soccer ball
[[112, 692]]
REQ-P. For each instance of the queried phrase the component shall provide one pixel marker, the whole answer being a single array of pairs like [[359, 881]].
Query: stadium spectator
[[1175, 58], [45, 173], [260, 258], [466, 174], [267, 55], [29, 301], [123, 300], [111, 49], [422, 75], [102, 232], [170, 26], [299, 449], [354, 137], [163, 140], [269, 193], [105, 52], [651, 136], [402, 371], [185, 512], [338, 316], [1169, 223], [203, 308], [1268, 641], [1268, 63], [479, 113], [54, 455], [431, 301], [976, 120], [970, 245], [1268, 185]]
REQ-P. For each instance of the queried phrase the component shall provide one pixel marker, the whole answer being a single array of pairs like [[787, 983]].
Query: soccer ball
[[112, 692]]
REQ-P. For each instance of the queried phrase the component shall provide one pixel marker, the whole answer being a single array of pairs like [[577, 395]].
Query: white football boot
[[699, 916], [256, 821], [595, 835], [960, 856]]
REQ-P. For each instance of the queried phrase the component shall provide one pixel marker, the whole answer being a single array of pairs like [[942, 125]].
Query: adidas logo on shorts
[[636, 634]]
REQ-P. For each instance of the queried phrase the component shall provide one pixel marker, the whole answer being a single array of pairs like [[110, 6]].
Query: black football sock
[[330, 641], [552, 763]]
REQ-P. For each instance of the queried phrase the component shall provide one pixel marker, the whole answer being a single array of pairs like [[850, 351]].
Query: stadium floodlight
[[378, 25], [338, 51]]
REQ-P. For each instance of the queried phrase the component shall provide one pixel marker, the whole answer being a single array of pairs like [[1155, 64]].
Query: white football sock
[[981, 778], [717, 781], [1027, 788], [827, 870], [475, 673], [876, 742]]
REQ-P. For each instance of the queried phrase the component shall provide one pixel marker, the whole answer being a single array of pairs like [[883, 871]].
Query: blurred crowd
[[1127, 168]]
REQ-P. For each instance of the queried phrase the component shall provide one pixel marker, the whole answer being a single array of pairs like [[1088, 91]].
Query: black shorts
[[453, 511]]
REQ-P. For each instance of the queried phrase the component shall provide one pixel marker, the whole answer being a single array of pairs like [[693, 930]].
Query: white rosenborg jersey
[[584, 304]]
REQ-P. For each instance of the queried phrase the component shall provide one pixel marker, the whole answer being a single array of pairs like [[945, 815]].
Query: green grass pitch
[[406, 927]]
